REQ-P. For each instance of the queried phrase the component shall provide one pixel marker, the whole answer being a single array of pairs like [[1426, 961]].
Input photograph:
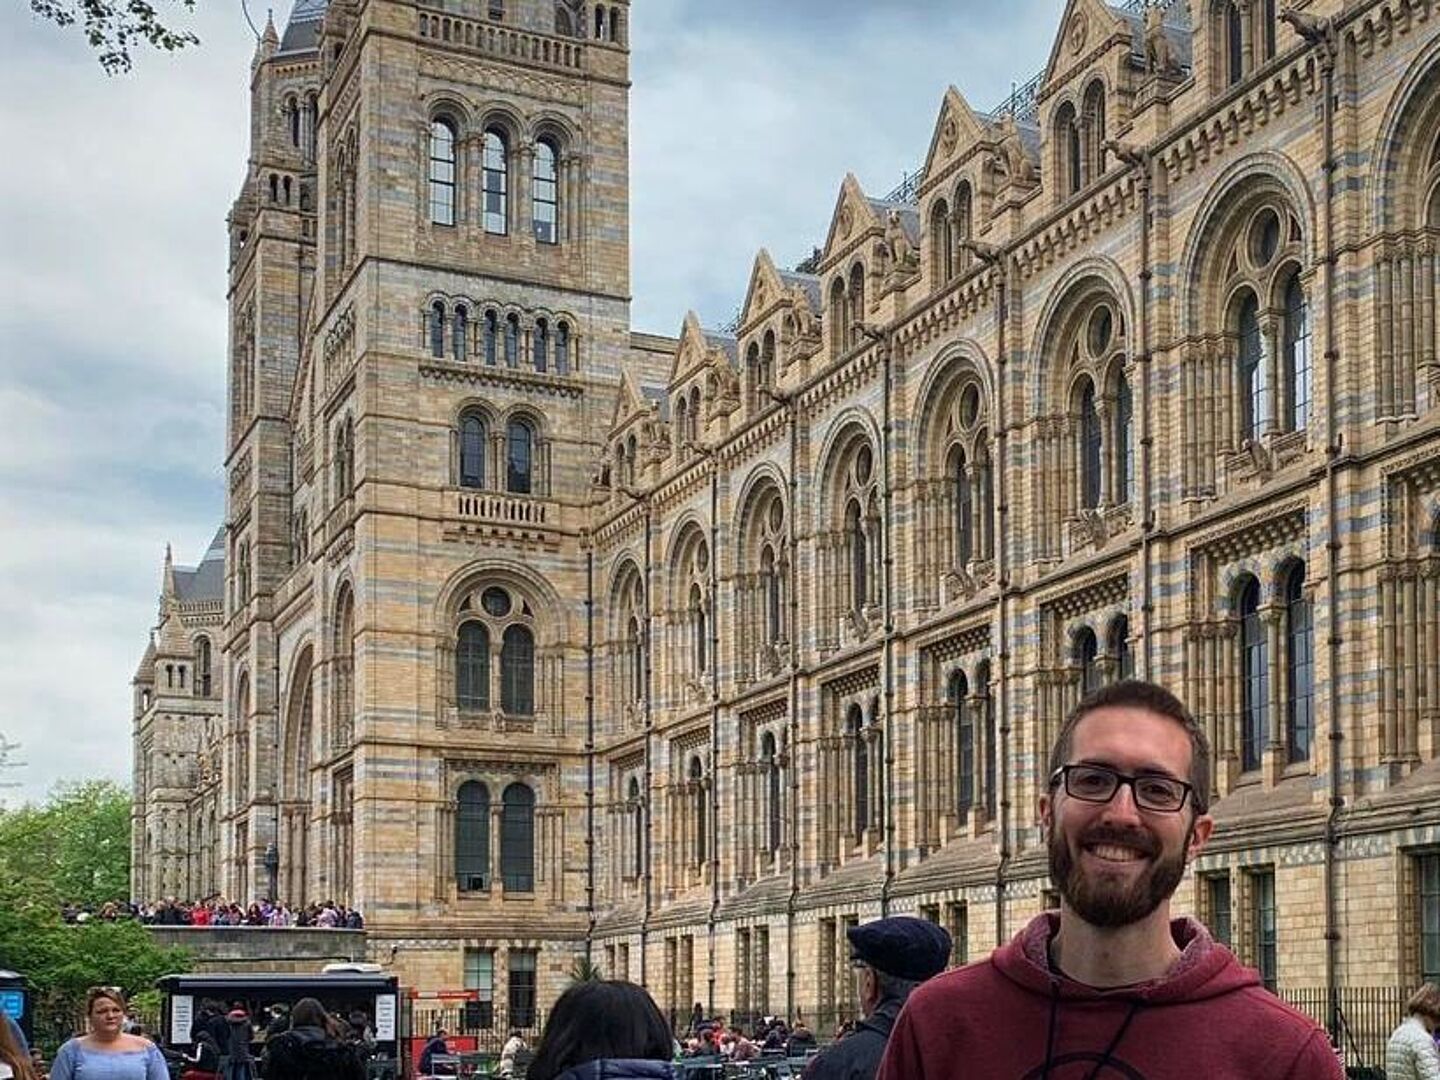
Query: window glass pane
[[472, 667], [492, 333], [1124, 453], [472, 452], [472, 838], [540, 344], [1254, 377], [1255, 679], [1090, 443], [522, 988], [460, 334], [442, 173], [964, 744], [512, 341], [495, 184], [1262, 884], [1297, 356], [546, 195], [1428, 870], [1217, 898], [437, 329], [1300, 672], [517, 672], [518, 470], [517, 839], [562, 349]]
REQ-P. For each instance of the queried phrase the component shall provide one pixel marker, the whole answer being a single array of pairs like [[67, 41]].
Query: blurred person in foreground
[[604, 1030], [310, 1049], [106, 1052], [15, 1063], [1411, 1053], [1110, 985]]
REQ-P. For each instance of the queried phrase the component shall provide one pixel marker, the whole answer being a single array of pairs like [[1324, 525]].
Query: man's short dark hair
[[1137, 694]]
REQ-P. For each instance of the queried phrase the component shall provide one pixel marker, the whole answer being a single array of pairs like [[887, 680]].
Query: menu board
[[182, 1018], [384, 1017]]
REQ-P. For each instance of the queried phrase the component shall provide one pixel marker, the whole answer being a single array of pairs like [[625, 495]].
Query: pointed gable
[[629, 403], [693, 351], [957, 128], [853, 216], [1086, 25], [766, 287]]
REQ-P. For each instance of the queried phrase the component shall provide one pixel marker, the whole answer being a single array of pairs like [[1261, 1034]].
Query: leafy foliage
[[112, 27], [585, 970], [74, 848]]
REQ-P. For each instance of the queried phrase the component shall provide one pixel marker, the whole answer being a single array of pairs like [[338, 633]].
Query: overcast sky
[[745, 117]]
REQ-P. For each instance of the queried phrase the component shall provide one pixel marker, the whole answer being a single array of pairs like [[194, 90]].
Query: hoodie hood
[[1205, 969], [621, 1069]]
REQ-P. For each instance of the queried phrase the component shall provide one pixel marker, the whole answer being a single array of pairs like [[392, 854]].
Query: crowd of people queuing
[[217, 911], [771, 1036]]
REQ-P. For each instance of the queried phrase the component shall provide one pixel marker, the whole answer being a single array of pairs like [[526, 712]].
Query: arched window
[[540, 345], [699, 639], [767, 365], [442, 173], [1267, 29], [990, 772], [697, 795], [1087, 650], [1090, 447], [472, 451], [1068, 156], [472, 667], [517, 838], [517, 672], [1095, 128], [562, 348], [636, 653], [460, 334], [835, 315], [292, 114], [855, 303], [545, 213], [518, 473], [860, 794], [770, 765], [959, 694], [964, 508], [1299, 667], [496, 183], [1254, 678], [773, 594], [1123, 441], [752, 376], [437, 329], [1254, 379], [472, 837], [1234, 23], [964, 214], [344, 459], [512, 341], [942, 242], [492, 337], [202, 684], [637, 828], [682, 423], [1117, 644], [1297, 356], [693, 435], [859, 557]]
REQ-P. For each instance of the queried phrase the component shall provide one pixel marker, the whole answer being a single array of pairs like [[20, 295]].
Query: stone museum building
[[534, 636]]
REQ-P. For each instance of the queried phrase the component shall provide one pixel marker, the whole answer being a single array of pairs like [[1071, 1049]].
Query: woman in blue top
[[107, 1053], [603, 1030]]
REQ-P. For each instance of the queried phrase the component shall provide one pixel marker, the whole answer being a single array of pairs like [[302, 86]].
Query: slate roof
[[1177, 31], [302, 32], [909, 215], [809, 282], [727, 342], [194, 584]]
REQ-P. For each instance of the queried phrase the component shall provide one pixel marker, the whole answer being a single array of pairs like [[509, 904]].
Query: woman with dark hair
[[310, 1050], [604, 1030], [14, 1058]]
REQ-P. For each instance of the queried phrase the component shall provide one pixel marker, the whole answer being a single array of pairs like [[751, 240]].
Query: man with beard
[[1111, 987]]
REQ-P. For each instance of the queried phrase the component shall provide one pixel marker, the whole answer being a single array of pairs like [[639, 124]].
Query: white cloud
[[112, 332]]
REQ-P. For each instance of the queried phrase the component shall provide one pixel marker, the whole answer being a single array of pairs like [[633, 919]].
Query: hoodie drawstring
[[1050, 1033], [1054, 1019]]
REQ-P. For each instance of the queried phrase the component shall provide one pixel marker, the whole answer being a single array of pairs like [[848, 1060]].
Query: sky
[[745, 117]]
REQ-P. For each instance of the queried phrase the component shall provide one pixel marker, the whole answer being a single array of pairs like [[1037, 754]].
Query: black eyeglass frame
[[1062, 775]]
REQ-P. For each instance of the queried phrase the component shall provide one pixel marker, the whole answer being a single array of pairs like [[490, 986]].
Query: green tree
[[75, 847], [113, 27]]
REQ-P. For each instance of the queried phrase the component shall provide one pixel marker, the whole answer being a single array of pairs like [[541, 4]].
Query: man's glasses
[[1098, 784]]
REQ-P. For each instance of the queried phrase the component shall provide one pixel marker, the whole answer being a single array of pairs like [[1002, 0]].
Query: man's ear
[[1046, 808], [1199, 836]]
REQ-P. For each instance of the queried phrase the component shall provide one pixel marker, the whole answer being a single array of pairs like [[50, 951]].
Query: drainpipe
[[1321, 33], [1140, 161], [589, 752], [884, 338]]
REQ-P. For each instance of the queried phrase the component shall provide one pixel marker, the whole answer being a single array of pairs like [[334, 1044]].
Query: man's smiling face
[[1114, 862]]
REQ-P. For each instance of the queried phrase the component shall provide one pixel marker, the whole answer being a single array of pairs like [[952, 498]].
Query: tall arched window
[[964, 508], [545, 213], [990, 771], [1087, 650], [1254, 378], [540, 345], [496, 183], [472, 667], [770, 582], [942, 242], [1254, 678], [770, 765], [1123, 440], [512, 341], [344, 669], [437, 329], [442, 172], [835, 316], [1067, 137], [1090, 447], [699, 640], [460, 333], [492, 338], [964, 719], [1299, 667], [1234, 25], [637, 828], [767, 365], [345, 459], [518, 471], [855, 302], [517, 838], [472, 837], [473, 438], [517, 672], [636, 653], [1117, 644], [964, 217], [697, 796], [1095, 128], [562, 348], [1297, 356], [202, 683], [752, 376], [860, 794], [859, 557]]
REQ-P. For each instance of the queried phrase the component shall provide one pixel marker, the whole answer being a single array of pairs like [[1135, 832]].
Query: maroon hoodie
[[1011, 1018]]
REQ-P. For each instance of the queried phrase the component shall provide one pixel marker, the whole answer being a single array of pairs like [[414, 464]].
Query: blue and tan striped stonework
[[353, 766]]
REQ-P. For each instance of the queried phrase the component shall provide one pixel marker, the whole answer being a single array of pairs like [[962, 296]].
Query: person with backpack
[[310, 1049]]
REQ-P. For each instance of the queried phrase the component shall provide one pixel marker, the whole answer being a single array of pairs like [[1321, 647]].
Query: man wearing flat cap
[[892, 957]]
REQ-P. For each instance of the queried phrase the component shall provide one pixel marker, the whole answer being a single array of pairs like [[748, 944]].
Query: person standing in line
[[604, 1030], [1411, 1052], [106, 1052], [892, 957], [1110, 985]]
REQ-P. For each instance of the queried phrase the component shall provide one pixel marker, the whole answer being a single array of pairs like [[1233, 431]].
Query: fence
[[1368, 1014], [488, 1024]]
